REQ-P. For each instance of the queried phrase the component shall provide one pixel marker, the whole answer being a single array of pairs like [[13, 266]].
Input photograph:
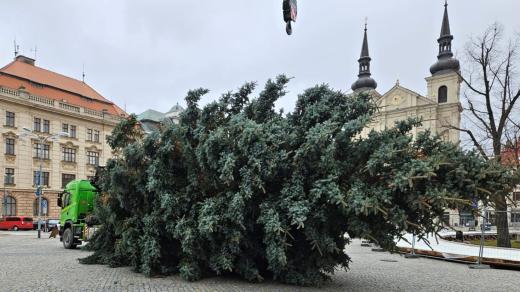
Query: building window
[[9, 176], [9, 119], [93, 158], [45, 207], [92, 135], [516, 196], [41, 151], [66, 178], [37, 85], [72, 132], [46, 126], [443, 94], [69, 154], [515, 216], [37, 125], [10, 206], [491, 218], [70, 129], [446, 218], [45, 178], [466, 217], [9, 146]]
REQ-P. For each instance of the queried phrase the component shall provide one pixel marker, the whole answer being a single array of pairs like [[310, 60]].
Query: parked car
[[50, 224], [35, 224], [16, 222]]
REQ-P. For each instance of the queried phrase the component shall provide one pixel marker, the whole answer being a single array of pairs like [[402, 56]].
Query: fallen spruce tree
[[238, 188]]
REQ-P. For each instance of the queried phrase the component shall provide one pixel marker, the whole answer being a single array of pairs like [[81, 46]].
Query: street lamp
[[41, 139]]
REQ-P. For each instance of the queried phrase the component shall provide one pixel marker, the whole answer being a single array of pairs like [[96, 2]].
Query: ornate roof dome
[[364, 82], [445, 61], [176, 108], [444, 65]]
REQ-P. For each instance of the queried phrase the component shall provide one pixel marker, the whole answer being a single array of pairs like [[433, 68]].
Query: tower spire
[[364, 48], [445, 30], [445, 61], [364, 80]]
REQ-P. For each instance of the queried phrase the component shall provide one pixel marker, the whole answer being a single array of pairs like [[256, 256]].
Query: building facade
[[439, 109], [511, 157], [35, 102]]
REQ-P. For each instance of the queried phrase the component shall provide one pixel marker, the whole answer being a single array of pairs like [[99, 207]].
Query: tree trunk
[[502, 222]]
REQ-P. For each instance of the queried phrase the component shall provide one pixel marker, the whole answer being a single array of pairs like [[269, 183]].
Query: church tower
[[444, 84], [364, 82]]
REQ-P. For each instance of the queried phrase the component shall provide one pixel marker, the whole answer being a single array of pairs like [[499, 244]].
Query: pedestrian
[[54, 232]]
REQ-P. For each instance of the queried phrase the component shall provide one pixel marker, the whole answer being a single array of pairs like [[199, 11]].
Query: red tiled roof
[[55, 86]]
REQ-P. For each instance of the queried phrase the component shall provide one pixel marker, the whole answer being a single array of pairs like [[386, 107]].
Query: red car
[[16, 222]]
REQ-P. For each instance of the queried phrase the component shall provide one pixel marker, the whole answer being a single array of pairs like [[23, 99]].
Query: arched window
[[10, 206], [443, 94], [45, 207]]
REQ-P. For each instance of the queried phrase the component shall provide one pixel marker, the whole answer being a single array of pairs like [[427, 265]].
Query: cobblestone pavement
[[31, 264]]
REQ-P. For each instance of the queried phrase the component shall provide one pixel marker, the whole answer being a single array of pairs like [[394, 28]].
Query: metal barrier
[[472, 237]]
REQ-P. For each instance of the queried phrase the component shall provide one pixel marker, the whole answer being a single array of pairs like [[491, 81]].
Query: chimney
[[25, 60]]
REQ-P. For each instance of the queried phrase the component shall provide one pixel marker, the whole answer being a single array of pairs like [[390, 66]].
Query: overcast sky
[[148, 54]]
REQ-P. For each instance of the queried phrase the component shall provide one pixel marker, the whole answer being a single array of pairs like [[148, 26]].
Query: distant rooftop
[[152, 119], [23, 73], [151, 115]]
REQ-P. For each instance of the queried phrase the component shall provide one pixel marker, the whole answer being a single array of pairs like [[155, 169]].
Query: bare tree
[[491, 105]]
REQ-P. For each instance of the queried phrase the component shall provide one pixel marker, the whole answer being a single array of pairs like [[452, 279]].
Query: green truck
[[77, 223]]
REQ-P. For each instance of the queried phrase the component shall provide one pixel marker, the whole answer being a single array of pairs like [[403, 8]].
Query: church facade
[[439, 109]]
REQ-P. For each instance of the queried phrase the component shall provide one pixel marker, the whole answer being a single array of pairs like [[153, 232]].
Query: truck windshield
[[66, 199]]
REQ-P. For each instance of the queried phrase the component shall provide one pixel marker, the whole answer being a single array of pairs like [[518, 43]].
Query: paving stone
[[31, 264]]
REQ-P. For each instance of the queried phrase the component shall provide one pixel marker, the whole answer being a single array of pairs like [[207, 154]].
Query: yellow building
[[33, 99], [439, 108]]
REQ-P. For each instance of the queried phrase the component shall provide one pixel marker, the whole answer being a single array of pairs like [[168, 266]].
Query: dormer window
[[37, 85], [442, 97]]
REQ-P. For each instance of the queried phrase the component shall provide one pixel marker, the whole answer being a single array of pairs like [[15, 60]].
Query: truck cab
[[77, 204]]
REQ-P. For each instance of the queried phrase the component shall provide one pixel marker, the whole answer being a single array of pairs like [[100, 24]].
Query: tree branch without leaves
[[476, 143], [491, 98]]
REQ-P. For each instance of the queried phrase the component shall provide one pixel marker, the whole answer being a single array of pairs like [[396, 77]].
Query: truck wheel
[[15, 228], [68, 239]]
